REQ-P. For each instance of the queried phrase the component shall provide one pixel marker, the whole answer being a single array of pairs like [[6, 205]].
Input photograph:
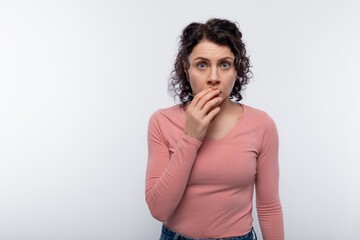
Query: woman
[[208, 154]]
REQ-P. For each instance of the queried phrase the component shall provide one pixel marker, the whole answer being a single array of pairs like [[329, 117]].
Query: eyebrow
[[221, 59]]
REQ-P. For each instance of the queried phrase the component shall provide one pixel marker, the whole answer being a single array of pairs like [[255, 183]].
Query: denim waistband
[[168, 234]]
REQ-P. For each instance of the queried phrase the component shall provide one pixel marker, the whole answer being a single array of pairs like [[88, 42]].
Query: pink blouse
[[205, 189]]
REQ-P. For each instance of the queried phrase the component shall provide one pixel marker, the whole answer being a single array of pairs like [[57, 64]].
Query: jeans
[[167, 234]]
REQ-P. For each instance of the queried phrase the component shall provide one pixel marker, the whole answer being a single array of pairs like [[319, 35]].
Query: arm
[[166, 178], [267, 185]]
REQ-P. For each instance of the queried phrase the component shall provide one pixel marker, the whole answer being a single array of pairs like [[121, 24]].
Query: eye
[[225, 65], [201, 65]]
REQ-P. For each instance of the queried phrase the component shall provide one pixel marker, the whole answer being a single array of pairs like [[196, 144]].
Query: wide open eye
[[201, 65], [225, 65]]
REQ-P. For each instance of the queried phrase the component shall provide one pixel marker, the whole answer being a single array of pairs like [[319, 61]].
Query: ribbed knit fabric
[[205, 189]]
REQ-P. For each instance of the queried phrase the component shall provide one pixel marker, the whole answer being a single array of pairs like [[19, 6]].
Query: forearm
[[271, 220], [167, 179]]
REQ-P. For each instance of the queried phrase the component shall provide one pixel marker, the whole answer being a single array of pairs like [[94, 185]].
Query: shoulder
[[174, 114], [169, 112], [265, 128], [167, 121], [260, 121], [257, 115]]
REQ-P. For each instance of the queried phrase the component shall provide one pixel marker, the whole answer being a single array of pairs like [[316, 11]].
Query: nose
[[214, 78]]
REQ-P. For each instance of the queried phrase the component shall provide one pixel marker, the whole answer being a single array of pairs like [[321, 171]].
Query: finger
[[207, 97], [211, 104], [197, 98], [210, 116], [200, 95]]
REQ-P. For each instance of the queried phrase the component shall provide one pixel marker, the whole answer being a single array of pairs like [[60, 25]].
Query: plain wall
[[79, 80]]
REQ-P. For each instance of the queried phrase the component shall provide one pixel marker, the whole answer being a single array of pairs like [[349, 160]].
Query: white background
[[79, 80]]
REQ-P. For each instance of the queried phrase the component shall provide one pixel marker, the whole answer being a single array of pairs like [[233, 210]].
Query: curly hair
[[222, 32]]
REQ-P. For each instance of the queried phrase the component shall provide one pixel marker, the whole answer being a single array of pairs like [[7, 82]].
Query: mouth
[[219, 94]]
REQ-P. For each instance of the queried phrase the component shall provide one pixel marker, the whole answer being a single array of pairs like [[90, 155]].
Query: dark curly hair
[[219, 31]]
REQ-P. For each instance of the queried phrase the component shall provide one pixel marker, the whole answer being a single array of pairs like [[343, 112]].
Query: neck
[[225, 106]]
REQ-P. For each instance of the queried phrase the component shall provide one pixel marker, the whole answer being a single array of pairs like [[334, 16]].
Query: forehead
[[210, 50]]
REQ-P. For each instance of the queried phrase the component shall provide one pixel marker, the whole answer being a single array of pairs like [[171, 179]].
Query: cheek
[[229, 85], [195, 87], [233, 84], [196, 82]]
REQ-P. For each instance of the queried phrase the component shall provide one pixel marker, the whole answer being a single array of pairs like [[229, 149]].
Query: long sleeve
[[167, 172], [268, 203]]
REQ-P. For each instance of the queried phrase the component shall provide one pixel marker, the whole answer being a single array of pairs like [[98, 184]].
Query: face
[[211, 66]]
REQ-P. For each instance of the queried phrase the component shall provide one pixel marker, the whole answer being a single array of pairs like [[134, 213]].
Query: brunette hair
[[219, 31]]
